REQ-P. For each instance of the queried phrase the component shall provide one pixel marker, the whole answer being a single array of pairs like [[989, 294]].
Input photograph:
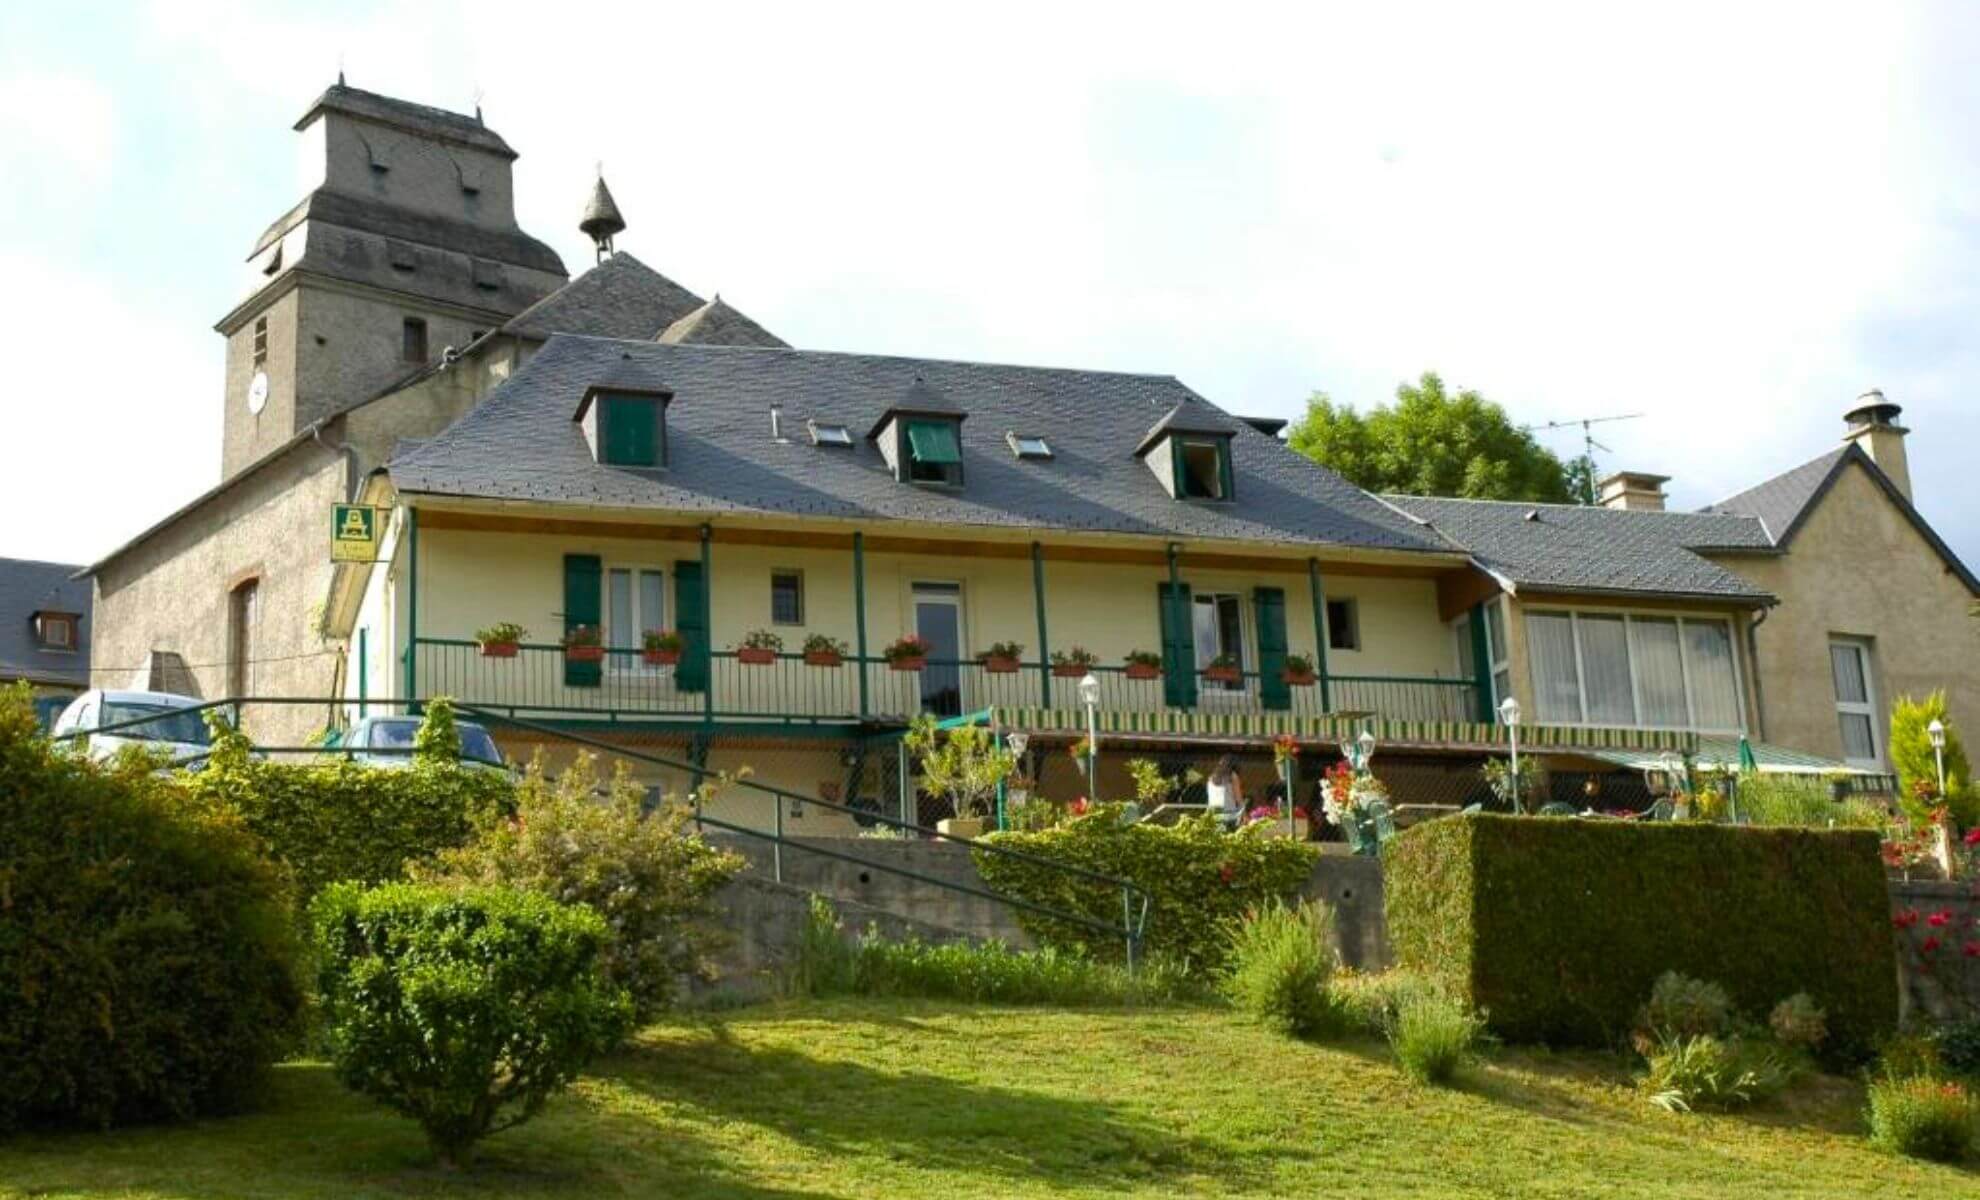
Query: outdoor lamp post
[[1509, 713], [1937, 732], [1089, 695]]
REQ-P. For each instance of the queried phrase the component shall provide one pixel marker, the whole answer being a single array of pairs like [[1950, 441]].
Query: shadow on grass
[[932, 1122]]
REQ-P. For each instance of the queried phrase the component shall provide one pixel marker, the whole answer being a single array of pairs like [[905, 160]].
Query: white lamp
[[1937, 732], [1509, 713], [1089, 695]]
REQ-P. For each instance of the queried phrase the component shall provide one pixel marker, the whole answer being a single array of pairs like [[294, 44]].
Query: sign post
[[353, 533]]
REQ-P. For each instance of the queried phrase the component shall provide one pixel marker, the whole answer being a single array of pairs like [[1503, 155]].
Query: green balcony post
[[412, 608], [1481, 666], [1044, 642], [364, 665], [1319, 594], [708, 632], [859, 615]]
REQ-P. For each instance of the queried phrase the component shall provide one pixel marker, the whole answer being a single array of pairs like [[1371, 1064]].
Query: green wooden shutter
[[1178, 646], [691, 622], [1273, 690], [629, 427], [583, 584], [1225, 476], [934, 442]]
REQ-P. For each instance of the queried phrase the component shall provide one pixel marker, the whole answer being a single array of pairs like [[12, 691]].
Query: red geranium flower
[[1929, 946], [1905, 918], [1973, 836], [1972, 949], [1078, 807], [1938, 919]]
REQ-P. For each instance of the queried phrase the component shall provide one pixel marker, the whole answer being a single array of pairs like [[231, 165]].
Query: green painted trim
[[1318, 593], [1044, 641], [859, 614], [708, 617], [364, 664], [979, 717], [1481, 664], [412, 608]]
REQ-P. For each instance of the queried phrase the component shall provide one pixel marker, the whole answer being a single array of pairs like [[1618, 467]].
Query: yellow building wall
[[1858, 568]]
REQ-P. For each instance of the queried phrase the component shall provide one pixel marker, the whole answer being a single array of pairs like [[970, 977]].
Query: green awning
[[934, 442], [1724, 754]]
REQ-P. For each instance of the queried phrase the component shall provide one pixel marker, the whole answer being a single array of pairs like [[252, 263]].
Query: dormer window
[[934, 451], [625, 428], [829, 435], [1189, 450], [1203, 468], [1028, 445], [56, 630]]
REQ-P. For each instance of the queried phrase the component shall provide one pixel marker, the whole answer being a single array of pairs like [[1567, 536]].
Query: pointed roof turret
[[601, 218]]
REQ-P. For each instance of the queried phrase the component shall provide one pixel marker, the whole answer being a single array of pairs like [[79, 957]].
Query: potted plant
[[582, 643], [1002, 658], [823, 651], [1144, 664], [660, 647], [1297, 670], [759, 647], [1224, 669], [500, 639], [908, 653], [963, 766], [1073, 663]]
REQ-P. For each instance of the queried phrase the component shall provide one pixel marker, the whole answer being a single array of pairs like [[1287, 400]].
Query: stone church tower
[[406, 243]]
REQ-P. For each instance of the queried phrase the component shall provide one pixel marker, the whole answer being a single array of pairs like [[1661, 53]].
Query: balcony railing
[[790, 688]]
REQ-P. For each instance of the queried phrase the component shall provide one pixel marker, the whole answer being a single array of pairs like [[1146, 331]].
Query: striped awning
[[1253, 727]]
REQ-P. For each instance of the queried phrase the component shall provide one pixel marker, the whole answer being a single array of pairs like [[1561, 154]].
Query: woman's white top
[[1221, 797]]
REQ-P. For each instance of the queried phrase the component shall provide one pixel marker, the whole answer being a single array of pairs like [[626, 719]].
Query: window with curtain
[[1624, 669], [635, 601], [1856, 712]]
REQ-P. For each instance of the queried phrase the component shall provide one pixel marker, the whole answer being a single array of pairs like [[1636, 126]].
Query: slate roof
[[520, 443], [419, 118], [1571, 548], [28, 587], [1784, 502], [621, 297], [1186, 417], [717, 323]]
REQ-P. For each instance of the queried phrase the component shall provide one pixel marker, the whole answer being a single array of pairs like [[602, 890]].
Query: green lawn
[[867, 1099]]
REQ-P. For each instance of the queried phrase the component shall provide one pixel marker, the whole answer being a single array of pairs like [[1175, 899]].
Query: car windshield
[[398, 735], [173, 724]]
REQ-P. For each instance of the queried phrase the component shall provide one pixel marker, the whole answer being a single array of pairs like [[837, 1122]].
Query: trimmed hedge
[[148, 960], [1559, 928], [334, 821], [1199, 880]]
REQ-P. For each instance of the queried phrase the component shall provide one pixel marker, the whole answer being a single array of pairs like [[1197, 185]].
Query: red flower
[[1938, 919], [1973, 836], [1078, 807], [1930, 945], [1300, 814], [1226, 872], [1972, 949], [1905, 918]]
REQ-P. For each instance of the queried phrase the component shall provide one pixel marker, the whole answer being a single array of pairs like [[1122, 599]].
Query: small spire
[[601, 217]]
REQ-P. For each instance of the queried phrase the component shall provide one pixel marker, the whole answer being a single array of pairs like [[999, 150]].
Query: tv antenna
[[1588, 443]]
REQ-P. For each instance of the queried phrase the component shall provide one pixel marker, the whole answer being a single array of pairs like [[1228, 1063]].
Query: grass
[[867, 1098]]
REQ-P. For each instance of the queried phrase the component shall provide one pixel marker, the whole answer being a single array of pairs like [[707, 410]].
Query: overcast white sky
[[1732, 218]]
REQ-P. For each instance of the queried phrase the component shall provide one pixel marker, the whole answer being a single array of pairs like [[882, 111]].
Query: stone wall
[[1937, 929]]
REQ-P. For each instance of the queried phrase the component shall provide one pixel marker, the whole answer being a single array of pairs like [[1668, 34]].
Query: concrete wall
[[1857, 568], [245, 436], [171, 593]]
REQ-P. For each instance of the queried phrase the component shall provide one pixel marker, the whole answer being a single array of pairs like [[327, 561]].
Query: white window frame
[[1867, 707], [624, 664], [1353, 609], [1220, 693], [1629, 616]]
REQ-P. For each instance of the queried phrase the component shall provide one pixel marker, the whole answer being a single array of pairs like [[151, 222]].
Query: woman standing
[[1224, 793]]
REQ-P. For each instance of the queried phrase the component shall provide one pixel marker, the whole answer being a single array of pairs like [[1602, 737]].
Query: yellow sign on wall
[[353, 533]]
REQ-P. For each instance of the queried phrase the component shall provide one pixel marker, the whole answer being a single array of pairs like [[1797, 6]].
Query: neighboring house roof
[[716, 323], [418, 118], [521, 443], [621, 297], [26, 588], [1571, 548], [1783, 503]]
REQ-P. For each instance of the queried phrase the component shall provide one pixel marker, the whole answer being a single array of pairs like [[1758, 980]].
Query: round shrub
[[147, 955], [1922, 1117], [464, 1009], [1683, 1007], [1281, 960], [1799, 1022]]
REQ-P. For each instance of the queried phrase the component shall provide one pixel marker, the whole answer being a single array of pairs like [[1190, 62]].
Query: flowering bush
[[1923, 1117], [905, 649]]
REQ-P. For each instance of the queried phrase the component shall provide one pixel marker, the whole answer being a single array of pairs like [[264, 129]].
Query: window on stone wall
[[260, 341], [412, 341], [243, 618]]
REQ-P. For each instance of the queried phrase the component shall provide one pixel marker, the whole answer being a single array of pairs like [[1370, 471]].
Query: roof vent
[[1532, 514]]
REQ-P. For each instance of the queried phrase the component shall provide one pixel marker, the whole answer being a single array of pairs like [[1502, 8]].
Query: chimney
[[1634, 491], [1873, 426]]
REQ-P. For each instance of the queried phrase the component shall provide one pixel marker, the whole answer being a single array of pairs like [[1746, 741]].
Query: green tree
[[1432, 443]]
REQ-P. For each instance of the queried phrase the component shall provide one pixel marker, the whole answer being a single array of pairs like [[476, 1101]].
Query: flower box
[[756, 656], [823, 658], [1296, 679], [1070, 670], [585, 653], [1223, 674], [1142, 671], [498, 649], [1000, 666], [907, 664], [962, 827], [660, 658]]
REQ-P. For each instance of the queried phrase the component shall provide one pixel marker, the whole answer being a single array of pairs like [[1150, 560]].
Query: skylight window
[[828, 435], [1028, 446]]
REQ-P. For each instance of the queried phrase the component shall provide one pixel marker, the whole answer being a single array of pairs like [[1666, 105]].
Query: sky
[[1732, 219]]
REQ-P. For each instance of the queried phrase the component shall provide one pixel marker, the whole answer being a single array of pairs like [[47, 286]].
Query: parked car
[[168, 723], [388, 742]]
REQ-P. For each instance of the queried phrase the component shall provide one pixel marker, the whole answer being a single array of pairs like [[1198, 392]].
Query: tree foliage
[[1918, 768], [1432, 443]]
